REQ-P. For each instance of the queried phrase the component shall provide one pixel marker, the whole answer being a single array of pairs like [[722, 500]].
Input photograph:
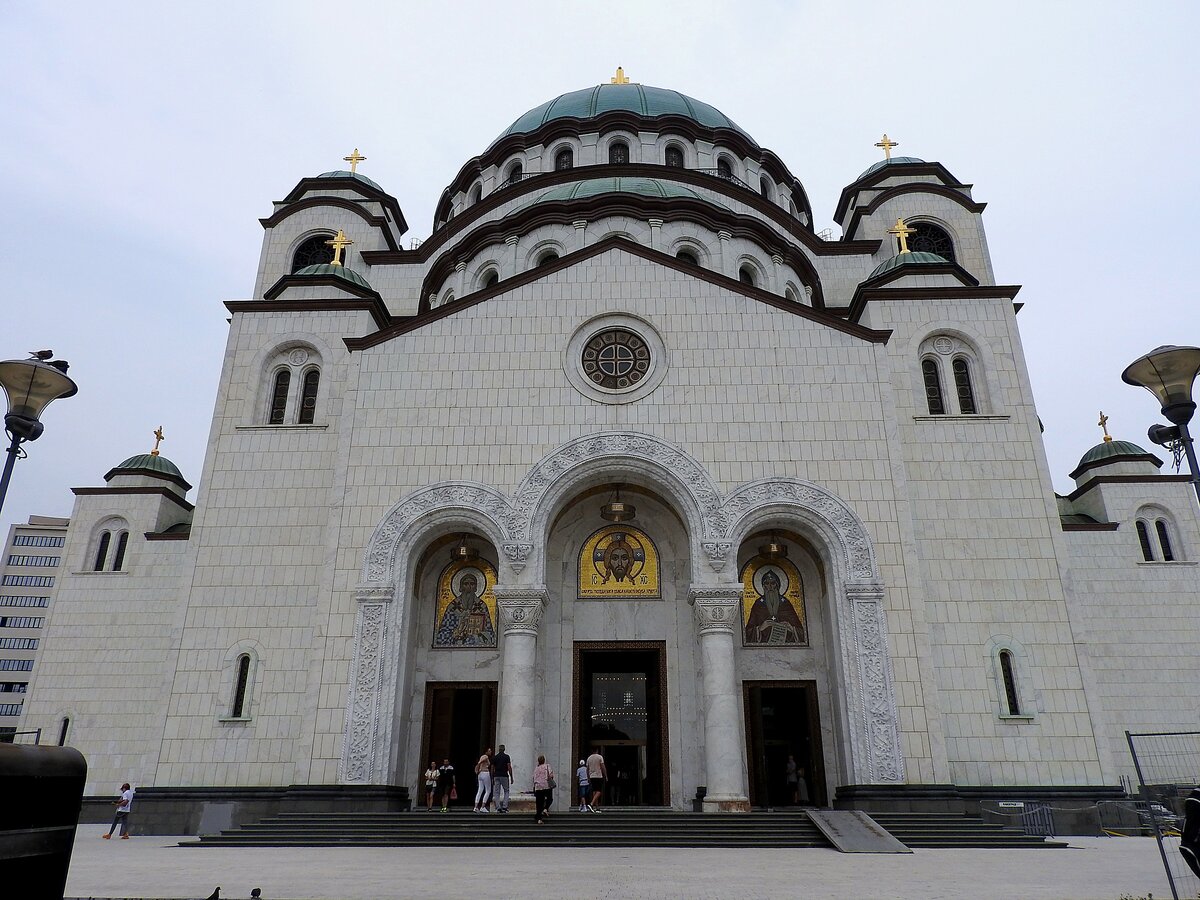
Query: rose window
[[616, 359]]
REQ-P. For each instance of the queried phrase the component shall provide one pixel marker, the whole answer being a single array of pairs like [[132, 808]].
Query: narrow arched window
[[688, 257], [279, 397], [238, 710], [313, 252], [764, 187], [62, 731], [546, 258], [746, 276], [933, 387], [1144, 539], [674, 158], [491, 279], [1010, 683], [931, 239], [1164, 541], [475, 195], [564, 159], [308, 396], [962, 385], [119, 556], [789, 294], [618, 153], [515, 171], [724, 169], [102, 551]]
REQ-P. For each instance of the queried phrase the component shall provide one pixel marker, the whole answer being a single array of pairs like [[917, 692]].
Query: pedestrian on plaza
[[483, 777], [124, 804], [585, 788], [597, 773], [502, 775], [446, 784], [431, 783], [543, 784]]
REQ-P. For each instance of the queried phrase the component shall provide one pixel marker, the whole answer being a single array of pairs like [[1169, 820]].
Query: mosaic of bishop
[[466, 609], [772, 604]]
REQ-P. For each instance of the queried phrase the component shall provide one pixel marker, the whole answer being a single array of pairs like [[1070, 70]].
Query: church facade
[[625, 456]]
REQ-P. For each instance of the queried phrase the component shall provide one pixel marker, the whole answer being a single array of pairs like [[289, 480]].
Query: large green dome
[[646, 187], [639, 99]]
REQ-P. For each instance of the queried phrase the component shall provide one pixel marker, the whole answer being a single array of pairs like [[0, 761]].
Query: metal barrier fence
[[1168, 768]]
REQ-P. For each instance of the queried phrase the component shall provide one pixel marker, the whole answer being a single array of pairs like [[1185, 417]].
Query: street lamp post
[[1169, 373], [31, 386]]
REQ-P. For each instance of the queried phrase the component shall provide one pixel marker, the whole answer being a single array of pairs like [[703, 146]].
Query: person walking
[[483, 777], [581, 775], [502, 775], [792, 775], [124, 804], [431, 783], [446, 784], [543, 784], [597, 774]]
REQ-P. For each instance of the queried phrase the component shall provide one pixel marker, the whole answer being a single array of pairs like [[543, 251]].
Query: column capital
[[460, 266], [656, 223], [716, 607], [520, 607], [725, 235], [579, 223], [512, 239]]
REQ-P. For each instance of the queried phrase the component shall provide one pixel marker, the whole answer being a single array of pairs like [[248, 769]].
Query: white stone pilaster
[[726, 261], [656, 234], [776, 279], [520, 611], [717, 617], [364, 752], [460, 277], [510, 265], [580, 226]]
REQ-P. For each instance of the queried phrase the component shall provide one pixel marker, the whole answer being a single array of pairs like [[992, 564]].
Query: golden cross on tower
[[902, 231], [1103, 423], [339, 243], [887, 145], [158, 439], [354, 159], [619, 78]]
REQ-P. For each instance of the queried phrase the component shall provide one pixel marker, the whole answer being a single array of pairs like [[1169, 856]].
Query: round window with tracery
[[616, 359]]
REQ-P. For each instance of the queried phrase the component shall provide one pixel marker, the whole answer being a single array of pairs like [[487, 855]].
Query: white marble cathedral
[[624, 456]]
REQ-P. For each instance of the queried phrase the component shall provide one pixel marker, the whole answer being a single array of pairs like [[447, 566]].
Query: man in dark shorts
[[597, 773]]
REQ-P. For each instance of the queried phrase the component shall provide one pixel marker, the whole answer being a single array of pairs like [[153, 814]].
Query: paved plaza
[[154, 867]]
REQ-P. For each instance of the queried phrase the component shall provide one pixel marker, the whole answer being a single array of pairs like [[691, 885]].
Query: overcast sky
[[140, 144]]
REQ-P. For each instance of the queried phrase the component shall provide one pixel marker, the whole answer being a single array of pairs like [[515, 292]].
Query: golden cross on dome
[[339, 243], [1103, 423], [619, 78], [902, 231], [354, 159], [158, 439], [887, 144]]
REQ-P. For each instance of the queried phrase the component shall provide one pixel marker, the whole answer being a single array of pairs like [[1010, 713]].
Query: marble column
[[520, 611], [717, 618]]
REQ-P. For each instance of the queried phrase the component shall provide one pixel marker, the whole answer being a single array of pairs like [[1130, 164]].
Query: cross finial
[[158, 439], [339, 243], [619, 78], [887, 144], [902, 231], [1103, 423], [354, 159]]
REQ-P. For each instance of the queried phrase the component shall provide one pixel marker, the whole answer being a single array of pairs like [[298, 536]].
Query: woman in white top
[[431, 780]]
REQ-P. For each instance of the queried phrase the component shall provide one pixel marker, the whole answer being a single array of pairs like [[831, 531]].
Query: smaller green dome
[[335, 271], [646, 187], [915, 258], [1107, 451], [342, 173], [894, 161], [151, 462]]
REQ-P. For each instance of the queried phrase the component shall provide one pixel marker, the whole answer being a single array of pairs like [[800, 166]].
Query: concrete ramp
[[853, 831]]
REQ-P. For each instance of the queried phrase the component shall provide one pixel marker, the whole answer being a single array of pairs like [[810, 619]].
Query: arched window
[[688, 257], [931, 239], [515, 171], [63, 727], [313, 252], [674, 157], [789, 294], [1012, 700], [764, 187], [618, 153], [546, 258], [933, 387], [102, 551], [491, 279], [724, 169], [1164, 540], [119, 556], [279, 397], [962, 385], [475, 195], [564, 159], [1143, 533], [308, 396], [242, 684], [746, 275]]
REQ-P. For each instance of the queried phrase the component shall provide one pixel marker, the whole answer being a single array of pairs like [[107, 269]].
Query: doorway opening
[[459, 724], [621, 712], [782, 721]]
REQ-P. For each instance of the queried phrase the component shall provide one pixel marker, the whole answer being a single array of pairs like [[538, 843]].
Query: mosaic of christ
[[772, 604], [619, 561]]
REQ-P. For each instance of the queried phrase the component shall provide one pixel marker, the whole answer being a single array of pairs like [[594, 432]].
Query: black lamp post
[[31, 386], [1168, 373]]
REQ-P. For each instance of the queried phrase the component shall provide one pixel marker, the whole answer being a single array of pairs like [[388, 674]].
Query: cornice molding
[[341, 183], [1128, 479], [883, 173], [916, 187], [166, 492], [341, 203], [374, 306], [876, 293]]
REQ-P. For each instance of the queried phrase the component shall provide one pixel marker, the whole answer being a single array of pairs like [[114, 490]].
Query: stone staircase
[[611, 828]]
